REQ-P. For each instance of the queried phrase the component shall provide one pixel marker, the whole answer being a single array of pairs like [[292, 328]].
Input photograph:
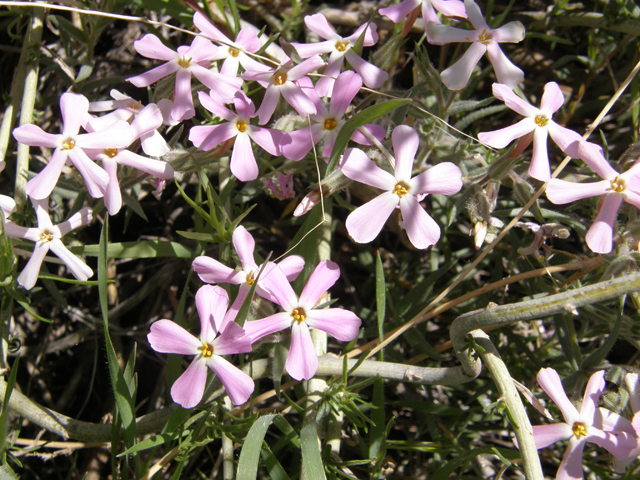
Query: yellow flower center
[[342, 45], [241, 125], [579, 430], [485, 37], [401, 189], [45, 236], [249, 279], [134, 105], [110, 152], [541, 120], [299, 315], [234, 52], [207, 350], [68, 144], [330, 123], [184, 62], [618, 185], [279, 77]]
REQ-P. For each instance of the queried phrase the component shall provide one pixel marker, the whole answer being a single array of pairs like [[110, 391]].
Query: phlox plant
[[257, 215]]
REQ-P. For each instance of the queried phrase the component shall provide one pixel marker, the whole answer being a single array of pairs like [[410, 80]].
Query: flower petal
[[94, 176], [152, 76], [512, 32], [291, 266], [34, 136], [232, 340], [302, 361], [399, 12], [188, 389], [457, 75], [297, 144], [571, 465], [506, 72], [212, 271], [439, 34], [561, 191], [545, 435], [274, 281], [550, 382], [591, 396], [216, 107], [42, 184], [568, 140], [345, 89], [157, 168], [405, 145], [539, 167], [443, 179], [183, 108], [297, 99], [267, 138], [266, 326], [337, 322], [207, 137], [360, 168], [212, 303], [245, 245], [243, 162], [513, 101], [599, 238], [319, 25], [151, 46], [29, 275], [593, 156], [76, 266], [239, 385], [324, 276], [365, 222], [166, 336], [422, 230], [269, 104], [475, 15], [372, 76], [504, 136], [552, 99]]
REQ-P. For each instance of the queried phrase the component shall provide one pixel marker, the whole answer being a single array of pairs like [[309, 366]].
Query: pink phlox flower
[[192, 60], [400, 189], [126, 108], [581, 426], [283, 189], [449, 8], [243, 163], [70, 145], [326, 123], [538, 125], [484, 40], [7, 205], [300, 314], [282, 80], [212, 271], [147, 121], [340, 49], [615, 187], [233, 53], [216, 339], [48, 237]]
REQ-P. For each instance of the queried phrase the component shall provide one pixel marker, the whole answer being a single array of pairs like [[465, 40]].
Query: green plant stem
[[227, 448], [34, 36]]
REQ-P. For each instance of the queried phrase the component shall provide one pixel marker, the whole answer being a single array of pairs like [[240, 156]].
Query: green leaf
[[4, 417], [366, 116], [380, 300], [142, 249], [603, 350], [276, 472], [377, 437], [155, 441], [200, 237], [311, 458], [250, 454]]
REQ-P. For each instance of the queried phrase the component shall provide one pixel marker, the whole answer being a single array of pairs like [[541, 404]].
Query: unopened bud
[[284, 187]]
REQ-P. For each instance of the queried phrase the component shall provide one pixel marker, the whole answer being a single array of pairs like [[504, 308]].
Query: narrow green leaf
[[603, 350], [366, 116], [193, 205], [276, 472], [311, 458], [380, 300], [4, 417], [155, 441], [378, 428], [250, 454], [142, 249]]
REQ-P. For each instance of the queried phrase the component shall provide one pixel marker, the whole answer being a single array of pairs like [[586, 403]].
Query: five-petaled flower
[[581, 426], [400, 189], [340, 49], [615, 187], [449, 8], [215, 340], [484, 40], [300, 315], [537, 126], [48, 237]]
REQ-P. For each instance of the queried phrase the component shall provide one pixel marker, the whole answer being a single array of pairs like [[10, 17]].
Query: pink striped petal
[[592, 395], [291, 266], [539, 167], [443, 179], [552, 98], [513, 101], [506, 72], [372, 76], [267, 326], [183, 108], [341, 324], [550, 382], [545, 435], [210, 136], [346, 87], [457, 75], [302, 361], [152, 76], [232, 340], [571, 466], [274, 281], [239, 385], [74, 109], [244, 245], [399, 12], [319, 25], [34, 136], [188, 389], [212, 271], [157, 168], [365, 222], [151, 46], [169, 337], [29, 275], [42, 184], [422, 230], [94, 176], [512, 32], [267, 138], [599, 238], [405, 146], [561, 192], [360, 168], [216, 107], [211, 303], [77, 220], [504, 136], [243, 162], [112, 195], [324, 276], [593, 156]]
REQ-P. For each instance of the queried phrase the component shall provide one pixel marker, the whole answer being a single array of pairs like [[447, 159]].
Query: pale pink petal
[[74, 109], [212, 271], [297, 144], [475, 15], [550, 382], [77, 220], [274, 281], [405, 145], [291, 266], [513, 101], [561, 191], [157, 168], [239, 385], [571, 466], [592, 395], [7, 205], [545, 435], [632, 197], [302, 362], [302, 69], [243, 162], [340, 324], [449, 8], [365, 222], [232, 340], [188, 389], [399, 12], [306, 50], [593, 156], [568, 140], [206, 27], [29, 275], [267, 138], [15, 231], [619, 445], [329, 138], [41, 208], [244, 245], [152, 76], [77, 267], [147, 121], [370, 36], [43, 183], [309, 90], [439, 34], [429, 13], [230, 65], [345, 89], [457, 75], [539, 167], [504, 136], [183, 101], [319, 25], [422, 230], [118, 135], [378, 131], [599, 238], [112, 195], [248, 38], [324, 87], [266, 326], [443, 179], [223, 87], [297, 99], [211, 303], [357, 166], [612, 422], [372, 76], [208, 137], [512, 32], [94, 176], [34, 136], [202, 50], [216, 107], [244, 106], [232, 313], [269, 104], [169, 337], [506, 72], [552, 98], [324, 276], [151, 46], [154, 144]]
